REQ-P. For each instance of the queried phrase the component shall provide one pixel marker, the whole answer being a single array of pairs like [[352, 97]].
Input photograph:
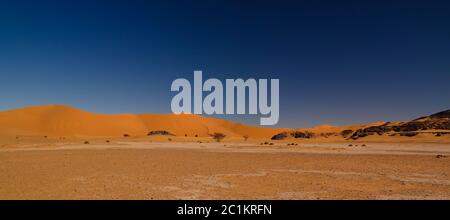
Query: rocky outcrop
[[299, 134], [427, 124], [294, 134], [438, 121], [443, 114], [363, 132], [346, 133], [326, 134], [280, 136]]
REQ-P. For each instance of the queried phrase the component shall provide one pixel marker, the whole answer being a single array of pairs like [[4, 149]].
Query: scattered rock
[[159, 132], [126, 135], [440, 156], [86, 142]]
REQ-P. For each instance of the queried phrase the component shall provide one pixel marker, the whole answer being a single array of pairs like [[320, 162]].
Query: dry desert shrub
[[218, 136]]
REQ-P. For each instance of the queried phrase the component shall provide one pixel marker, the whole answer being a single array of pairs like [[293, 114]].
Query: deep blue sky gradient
[[339, 62]]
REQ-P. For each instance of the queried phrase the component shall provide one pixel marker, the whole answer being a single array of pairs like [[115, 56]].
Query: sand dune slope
[[67, 121]]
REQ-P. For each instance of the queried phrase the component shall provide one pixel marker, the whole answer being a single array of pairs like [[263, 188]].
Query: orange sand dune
[[63, 120], [67, 121]]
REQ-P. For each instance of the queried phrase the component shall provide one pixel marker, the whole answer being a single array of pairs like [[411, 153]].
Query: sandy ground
[[124, 169]]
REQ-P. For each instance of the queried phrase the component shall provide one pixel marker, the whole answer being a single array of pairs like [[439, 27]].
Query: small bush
[[218, 136], [86, 142], [126, 135]]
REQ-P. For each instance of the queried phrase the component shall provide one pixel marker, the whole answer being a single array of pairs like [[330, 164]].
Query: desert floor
[[140, 169]]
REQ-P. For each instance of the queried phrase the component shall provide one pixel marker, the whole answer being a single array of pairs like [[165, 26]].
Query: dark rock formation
[[443, 114], [299, 134], [438, 121], [294, 134], [346, 133], [380, 130], [326, 134], [280, 136], [409, 134], [427, 124], [359, 134], [363, 132]]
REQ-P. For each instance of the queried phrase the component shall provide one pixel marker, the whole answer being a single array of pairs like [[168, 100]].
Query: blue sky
[[338, 63]]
